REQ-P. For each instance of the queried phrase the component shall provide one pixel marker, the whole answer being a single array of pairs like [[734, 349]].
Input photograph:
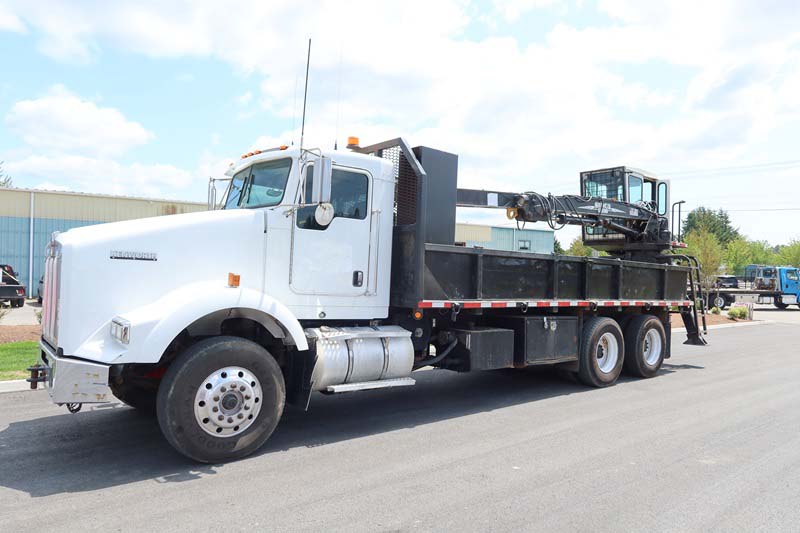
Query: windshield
[[235, 190], [261, 185]]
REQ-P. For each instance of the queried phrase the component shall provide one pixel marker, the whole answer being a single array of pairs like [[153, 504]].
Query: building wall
[[501, 238], [60, 211]]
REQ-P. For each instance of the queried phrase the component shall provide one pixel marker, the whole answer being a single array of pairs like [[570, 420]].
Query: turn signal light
[[233, 279]]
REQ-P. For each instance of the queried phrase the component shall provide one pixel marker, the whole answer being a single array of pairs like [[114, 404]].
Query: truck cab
[[787, 282]]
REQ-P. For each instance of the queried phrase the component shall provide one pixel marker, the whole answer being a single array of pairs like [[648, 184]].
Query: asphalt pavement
[[712, 443]]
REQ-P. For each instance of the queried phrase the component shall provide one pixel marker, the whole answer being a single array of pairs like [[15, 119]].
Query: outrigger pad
[[695, 339]]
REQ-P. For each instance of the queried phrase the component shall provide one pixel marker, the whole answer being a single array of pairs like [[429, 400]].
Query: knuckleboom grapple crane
[[622, 211]]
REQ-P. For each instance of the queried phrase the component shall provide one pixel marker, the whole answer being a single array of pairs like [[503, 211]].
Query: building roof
[[99, 195]]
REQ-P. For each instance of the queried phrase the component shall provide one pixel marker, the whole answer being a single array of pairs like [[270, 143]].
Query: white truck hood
[[161, 254]]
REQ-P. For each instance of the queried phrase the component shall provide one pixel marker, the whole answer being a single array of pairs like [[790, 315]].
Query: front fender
[[154, 326]]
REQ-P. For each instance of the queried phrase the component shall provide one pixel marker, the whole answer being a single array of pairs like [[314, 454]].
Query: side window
[[647, 191], [349, 191], [235, 191], [791, 275], [634, 189], [524, 245], [662, 198]]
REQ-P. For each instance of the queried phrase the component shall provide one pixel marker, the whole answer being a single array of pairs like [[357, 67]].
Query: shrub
[[737, 313], [715, 310]]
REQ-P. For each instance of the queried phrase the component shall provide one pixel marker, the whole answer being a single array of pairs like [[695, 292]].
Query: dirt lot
[[711, 320], [19, 333]]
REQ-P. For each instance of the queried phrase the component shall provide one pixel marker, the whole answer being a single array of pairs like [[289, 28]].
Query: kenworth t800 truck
[[337, 271]]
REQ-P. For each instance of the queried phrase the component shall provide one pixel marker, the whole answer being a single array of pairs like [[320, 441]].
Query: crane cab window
[[634, 189], [662, 198], [603, 184], [349, 191], [647, 191]]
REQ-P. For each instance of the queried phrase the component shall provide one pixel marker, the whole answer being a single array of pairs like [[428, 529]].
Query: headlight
[[121, 330]]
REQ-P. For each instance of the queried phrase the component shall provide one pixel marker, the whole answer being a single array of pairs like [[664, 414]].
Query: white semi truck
[[336, 272]]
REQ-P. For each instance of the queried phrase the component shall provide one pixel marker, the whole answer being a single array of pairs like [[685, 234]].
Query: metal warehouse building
[[500, 238], [28, 218]]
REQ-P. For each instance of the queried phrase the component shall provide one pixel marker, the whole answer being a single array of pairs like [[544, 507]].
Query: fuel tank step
[[368, 385]]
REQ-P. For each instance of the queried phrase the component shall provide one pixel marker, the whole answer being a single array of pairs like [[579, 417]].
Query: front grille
[[52, 289]]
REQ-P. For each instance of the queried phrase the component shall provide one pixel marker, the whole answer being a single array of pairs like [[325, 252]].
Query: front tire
[[602, 352], [221, 399], [140, 398], [645, 346]]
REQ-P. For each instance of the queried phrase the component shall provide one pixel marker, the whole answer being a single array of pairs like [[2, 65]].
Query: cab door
[[334, 260], [791, 283]]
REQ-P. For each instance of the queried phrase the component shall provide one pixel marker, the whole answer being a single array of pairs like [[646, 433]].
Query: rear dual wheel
[[605, 351], [645, 346], [602, 352]]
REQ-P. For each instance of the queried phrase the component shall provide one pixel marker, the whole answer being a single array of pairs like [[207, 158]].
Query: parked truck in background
[[336, 271], [11, 290], [763, 284]]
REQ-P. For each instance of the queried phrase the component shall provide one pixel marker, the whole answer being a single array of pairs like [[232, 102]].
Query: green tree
[[703, 244], [790, 254], [761, 253], [5, 179], [717, 222], [737, 255], [577, 248], [557, 248]]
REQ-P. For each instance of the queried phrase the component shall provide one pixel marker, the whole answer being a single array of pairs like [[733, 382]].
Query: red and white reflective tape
[[501, 304]]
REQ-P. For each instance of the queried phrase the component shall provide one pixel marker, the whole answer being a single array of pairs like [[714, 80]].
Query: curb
[[15, 385], [735, 325]]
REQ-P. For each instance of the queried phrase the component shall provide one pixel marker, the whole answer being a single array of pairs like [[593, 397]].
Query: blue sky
[[149, 99]]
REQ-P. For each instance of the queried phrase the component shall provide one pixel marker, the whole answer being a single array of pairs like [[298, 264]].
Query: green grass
[[15, 357]]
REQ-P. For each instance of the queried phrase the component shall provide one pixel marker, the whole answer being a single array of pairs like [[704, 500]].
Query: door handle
[[358, 278]]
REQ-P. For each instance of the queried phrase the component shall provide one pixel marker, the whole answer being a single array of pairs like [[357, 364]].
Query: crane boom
[[643, 231]]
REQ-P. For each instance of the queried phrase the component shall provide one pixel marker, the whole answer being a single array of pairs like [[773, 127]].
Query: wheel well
[[250, 324]]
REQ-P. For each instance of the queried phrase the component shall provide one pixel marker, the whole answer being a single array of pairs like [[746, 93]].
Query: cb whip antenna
[[305, 98]]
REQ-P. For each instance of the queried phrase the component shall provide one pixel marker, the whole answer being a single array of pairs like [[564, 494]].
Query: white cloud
[[62, 121], [10, 22], [680, 84], [511, 10]]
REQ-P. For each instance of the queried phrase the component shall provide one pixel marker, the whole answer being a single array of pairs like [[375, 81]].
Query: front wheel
[[602, 352], [140, 398], [221, 399]]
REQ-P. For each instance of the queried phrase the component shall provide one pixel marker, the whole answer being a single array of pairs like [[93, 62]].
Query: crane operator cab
[[630, 185]]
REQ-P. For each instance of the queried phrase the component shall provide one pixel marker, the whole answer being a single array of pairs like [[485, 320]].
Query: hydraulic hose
[[439, 356]]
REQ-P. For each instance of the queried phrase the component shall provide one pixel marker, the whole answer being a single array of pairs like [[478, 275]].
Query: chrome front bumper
[[71, 380]]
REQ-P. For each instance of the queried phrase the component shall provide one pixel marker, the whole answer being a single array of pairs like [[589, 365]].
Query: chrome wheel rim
[[651, 347], [227, 402], [607, 353]]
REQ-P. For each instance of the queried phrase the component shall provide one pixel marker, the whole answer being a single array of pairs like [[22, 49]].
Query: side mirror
[[321, 184]]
